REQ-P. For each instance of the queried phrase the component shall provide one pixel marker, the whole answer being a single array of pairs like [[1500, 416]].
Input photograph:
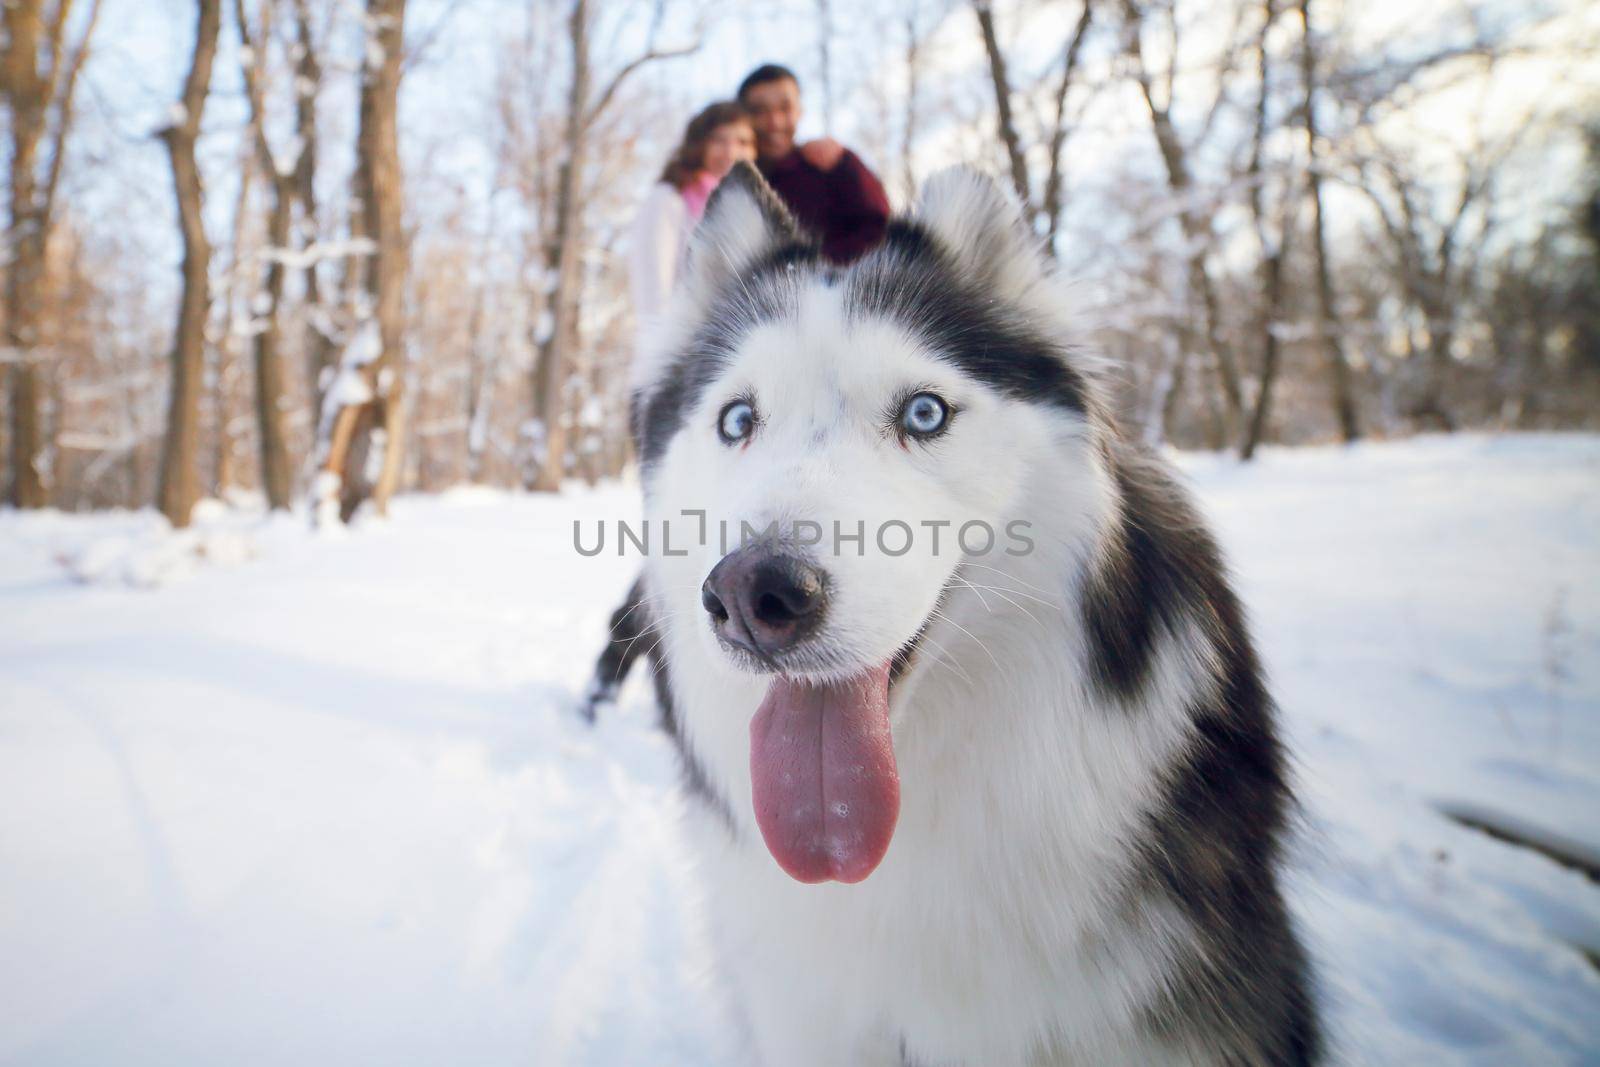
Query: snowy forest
[[315, 345], [328, 251]]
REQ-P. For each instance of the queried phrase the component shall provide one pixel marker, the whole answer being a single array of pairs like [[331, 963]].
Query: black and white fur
[[1093, 805]]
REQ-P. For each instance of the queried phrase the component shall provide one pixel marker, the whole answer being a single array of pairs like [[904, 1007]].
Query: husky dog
[[1020, 803]]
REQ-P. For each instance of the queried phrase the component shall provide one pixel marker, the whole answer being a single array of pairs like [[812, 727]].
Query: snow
[[325, 800], [1430, 613], [140, 549], [286, 163], [365, 345], [325, 488], [318, 251], [349, 389]]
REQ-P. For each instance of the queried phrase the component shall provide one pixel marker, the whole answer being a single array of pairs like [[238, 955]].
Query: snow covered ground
[[268, 797]]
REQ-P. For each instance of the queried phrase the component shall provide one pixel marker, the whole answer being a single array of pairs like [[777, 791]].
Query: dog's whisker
[[1018, 592], [657, 625], [1001, 593], [942, 657], [655, 668], [1006, 573], [975, 592], [937, 614]]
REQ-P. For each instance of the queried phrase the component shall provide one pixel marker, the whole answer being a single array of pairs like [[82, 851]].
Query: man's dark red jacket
[[845, 206]]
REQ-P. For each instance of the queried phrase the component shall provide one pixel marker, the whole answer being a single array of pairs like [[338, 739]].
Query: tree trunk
[[1227, 368], [27, 94], [1218, 426], [381, 140], [1272, 253], [227, 364], [1328, 330], [1156, 416], [276, 473], [382, 405], [1175, 385], [1272, 278], [320, 347], [1429, 406], [37, 99], [480, 388], [550, 394], [180, 476]]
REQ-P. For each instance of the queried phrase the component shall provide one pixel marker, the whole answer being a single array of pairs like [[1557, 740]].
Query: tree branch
[[65, 111], [1058, 135], [57, 40], [254, 54], [629, 69], [1002, 96]]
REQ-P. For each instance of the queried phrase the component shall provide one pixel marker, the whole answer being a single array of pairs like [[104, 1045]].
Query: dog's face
[[852, 435], [851, 438]]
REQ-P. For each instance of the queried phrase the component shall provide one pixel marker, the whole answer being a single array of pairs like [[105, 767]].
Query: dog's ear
[[744, 221], [980, 225]]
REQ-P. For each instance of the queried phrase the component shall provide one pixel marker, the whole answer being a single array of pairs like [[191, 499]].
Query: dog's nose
[[764, 601]]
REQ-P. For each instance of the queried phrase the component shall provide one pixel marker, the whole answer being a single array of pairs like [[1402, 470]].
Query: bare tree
[[558, 341], [372, 398], [1006, 123], [1329, 333], [1433, 263], [1048, 209], [1195, 224], [550, 399], [281, 174], [908, 133], [234, 313], [39, 71], [825, 61], [1061, 128], [1273, 251], [484, 334], [180, 476], [1299, 211], [320, 345]]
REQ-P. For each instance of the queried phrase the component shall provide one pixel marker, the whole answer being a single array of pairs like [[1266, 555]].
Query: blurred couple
[[825, 186], [830, 192]]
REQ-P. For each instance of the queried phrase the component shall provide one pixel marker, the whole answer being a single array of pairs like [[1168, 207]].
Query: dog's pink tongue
[[822, 765]]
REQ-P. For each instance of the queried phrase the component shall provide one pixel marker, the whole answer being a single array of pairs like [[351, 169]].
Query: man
[[832, 194], [829, 190]]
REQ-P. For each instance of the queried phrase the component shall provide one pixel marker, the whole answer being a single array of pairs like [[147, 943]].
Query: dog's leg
[[629, 624]]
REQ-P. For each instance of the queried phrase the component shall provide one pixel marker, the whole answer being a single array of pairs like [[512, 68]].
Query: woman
[[713, 142]]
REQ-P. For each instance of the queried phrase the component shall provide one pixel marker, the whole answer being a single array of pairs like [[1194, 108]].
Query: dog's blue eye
[[924, 415], [737, 421]]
